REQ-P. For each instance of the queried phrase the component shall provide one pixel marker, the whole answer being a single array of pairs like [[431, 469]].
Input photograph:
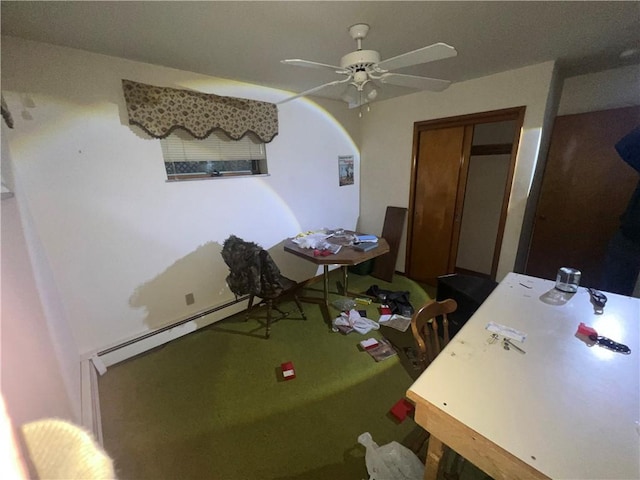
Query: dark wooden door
[[436, 179], [585, 188]]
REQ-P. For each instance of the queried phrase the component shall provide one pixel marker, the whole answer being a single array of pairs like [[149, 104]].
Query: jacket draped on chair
[[253, 272]]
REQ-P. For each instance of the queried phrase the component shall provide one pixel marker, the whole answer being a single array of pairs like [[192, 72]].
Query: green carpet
[[212, 405]]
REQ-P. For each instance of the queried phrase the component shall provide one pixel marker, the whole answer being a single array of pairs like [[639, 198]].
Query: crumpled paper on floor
[[354, 320]]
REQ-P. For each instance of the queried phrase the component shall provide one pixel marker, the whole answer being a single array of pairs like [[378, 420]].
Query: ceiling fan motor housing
[[359, 59]]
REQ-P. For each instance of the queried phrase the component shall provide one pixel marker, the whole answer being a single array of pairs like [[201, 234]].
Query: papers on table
[[366, 238], [505, 331], [332, 247], [318, 240], [311, 239]]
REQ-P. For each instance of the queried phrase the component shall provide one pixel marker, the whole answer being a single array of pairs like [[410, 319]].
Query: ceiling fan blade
[[307, 63], [313, 90], [434, 52], [412, 81]]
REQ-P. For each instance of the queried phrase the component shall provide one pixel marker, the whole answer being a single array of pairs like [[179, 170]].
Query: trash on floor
[[397, 301], [401, 409], [353, 320], [369, 343], [288, 372], [392, 461], [344, 304], [413, 358], [395, 321], [385, 313], [382, 351]]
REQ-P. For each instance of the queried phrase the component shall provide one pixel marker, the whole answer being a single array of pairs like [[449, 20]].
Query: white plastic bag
[[354, 320], [392, 461]]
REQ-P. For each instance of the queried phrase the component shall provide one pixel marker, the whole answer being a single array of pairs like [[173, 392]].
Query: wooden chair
[[253, 272], [425, 326]]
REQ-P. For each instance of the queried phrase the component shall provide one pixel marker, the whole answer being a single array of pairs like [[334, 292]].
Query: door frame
[[468, 121]]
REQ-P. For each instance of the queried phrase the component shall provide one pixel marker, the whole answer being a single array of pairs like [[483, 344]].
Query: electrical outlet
[[189, 298]]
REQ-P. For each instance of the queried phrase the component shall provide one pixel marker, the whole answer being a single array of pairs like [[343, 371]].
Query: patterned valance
[[160, 110], [6, 114]]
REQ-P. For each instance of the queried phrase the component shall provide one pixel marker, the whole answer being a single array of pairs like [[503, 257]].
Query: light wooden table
[[562, 410], [345, 257]]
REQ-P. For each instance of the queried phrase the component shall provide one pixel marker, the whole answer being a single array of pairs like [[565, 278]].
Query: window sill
[[189, 178]]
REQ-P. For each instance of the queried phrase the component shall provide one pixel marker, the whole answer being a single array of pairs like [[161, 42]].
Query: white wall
[[604, 90], [387, 136], [40, 368], [122, 245], [481, 211]]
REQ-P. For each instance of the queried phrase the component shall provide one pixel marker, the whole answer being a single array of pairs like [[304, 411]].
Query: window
[[187, 158]]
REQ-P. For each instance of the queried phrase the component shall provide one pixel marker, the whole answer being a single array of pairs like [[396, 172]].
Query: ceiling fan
[[364, 71]]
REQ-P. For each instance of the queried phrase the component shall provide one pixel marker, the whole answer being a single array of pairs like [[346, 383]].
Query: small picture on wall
[[345, 168]]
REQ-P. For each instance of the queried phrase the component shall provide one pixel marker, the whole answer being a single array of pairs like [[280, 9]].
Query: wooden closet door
[[437, 175], [585, 188]]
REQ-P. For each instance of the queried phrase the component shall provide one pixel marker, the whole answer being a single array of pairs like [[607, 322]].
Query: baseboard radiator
[[115, 354], [135, 346]]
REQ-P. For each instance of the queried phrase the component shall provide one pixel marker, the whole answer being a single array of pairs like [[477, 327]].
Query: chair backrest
[[424, 326], [252, 270], [242, 258]]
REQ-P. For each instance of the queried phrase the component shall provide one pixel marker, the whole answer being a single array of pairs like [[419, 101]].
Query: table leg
[[325, 281], [435, 453], [324, 300], [345, 280]]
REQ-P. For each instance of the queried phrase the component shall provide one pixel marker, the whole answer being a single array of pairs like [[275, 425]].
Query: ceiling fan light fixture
[[360, 78], [349, 95], [370, 92]]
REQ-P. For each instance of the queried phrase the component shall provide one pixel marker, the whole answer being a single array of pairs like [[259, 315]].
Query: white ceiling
[[246, 40]]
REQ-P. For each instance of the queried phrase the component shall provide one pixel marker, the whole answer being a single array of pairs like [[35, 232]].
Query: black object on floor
[[468, 291]]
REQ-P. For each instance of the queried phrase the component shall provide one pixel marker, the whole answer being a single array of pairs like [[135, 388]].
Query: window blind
[[181, 147]]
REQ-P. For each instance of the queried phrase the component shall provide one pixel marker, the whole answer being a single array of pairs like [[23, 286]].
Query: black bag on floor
[[397, 301]]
